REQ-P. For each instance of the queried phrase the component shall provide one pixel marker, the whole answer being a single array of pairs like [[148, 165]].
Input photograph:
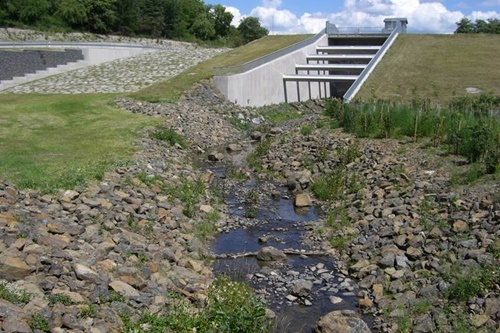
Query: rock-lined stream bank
[[123, 244]]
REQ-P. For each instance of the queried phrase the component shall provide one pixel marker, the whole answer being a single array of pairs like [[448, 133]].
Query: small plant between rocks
[[230, 307]]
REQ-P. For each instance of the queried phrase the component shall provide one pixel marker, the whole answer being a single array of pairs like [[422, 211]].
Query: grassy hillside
[[171, 89], [49, 141], [436, 67]]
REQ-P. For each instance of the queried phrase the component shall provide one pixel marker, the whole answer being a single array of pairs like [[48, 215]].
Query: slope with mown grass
[[437, 67], [49, 142]]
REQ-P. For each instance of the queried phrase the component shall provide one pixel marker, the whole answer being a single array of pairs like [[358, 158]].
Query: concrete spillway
[[334, 63]]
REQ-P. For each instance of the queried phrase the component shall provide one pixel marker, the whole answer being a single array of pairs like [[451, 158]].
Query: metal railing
[[352, 91], [237, 69], [332, 29]]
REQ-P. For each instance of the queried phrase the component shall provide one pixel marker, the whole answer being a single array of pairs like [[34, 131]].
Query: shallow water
[[284, 225]]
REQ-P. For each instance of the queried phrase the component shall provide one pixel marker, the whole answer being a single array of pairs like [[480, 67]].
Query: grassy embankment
[[51, 142], [437, 67]]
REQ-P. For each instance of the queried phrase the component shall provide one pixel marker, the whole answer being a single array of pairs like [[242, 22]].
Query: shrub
[[230, 307], [170, 136], [13, 294], [39, 323], [306, 130]]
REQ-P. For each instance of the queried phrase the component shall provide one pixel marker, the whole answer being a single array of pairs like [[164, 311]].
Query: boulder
[[124, 289], [270, 253], [302, 288], [340, 322], [303, 200], [13, 268]]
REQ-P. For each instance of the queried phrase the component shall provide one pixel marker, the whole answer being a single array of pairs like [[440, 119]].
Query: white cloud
[[281, 21], [237, 16], [476, 15], [422, 15]]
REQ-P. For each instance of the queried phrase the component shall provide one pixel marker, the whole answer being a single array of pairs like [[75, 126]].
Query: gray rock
[[388, 260], [341, 321], [302, 288], [423, 324], [270, 253]]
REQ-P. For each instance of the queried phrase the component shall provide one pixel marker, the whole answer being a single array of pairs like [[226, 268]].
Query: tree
[[152, 18], [203, 28], [28, 11], [172, 28], [491, 26], [101, 15], [222, 19], [250, 29], [73, 12], [127, 16], [464, 26]]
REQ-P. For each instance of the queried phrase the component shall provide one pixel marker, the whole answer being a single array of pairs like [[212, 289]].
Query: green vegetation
[[467, 283], [49, 142], [190, 20], [190, 192], [13, 294], [437, 67], [254, 159], [230, 307], [170, 90], [490, 26], [306, 129], [60, 298], [207, 227], [252, 200], [88, 311], [468, 127], [276, 114], [39, 323], [170, 136]]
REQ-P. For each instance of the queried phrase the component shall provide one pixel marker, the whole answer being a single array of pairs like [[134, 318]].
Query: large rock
[[124, 289], [85, 273], [303, 200], [302, 288], [13, 269], [270, 253], [345, 321]]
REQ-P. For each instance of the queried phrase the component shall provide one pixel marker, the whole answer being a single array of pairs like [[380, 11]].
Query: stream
[[279, 224]]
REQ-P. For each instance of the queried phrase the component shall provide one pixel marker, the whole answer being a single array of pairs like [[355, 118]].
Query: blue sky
[[309, 16]]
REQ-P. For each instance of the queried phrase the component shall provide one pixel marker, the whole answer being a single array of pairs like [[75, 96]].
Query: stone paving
[[122, 75]]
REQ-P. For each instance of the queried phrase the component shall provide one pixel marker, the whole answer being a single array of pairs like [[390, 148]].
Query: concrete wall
[[95, 55], [264, 85]]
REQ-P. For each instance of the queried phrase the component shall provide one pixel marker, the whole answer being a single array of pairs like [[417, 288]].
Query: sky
[[309, 16]]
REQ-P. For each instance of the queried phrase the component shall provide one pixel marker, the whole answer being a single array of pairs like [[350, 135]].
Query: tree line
[[190, 20], [466, 26]]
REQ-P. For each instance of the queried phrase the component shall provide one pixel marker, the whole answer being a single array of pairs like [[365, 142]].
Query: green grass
[[435, 67], [169, 135], [170, 90], [230, 307], [50, 142]]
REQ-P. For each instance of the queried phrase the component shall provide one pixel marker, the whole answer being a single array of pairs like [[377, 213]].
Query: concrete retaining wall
[[264, 85]]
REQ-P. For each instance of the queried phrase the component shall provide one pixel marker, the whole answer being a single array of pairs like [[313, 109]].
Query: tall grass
[[469, 126]]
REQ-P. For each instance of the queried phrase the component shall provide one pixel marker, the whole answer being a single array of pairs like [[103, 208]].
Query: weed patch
[[468, 127], [170, 136], [230, 307], [13, 294]]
